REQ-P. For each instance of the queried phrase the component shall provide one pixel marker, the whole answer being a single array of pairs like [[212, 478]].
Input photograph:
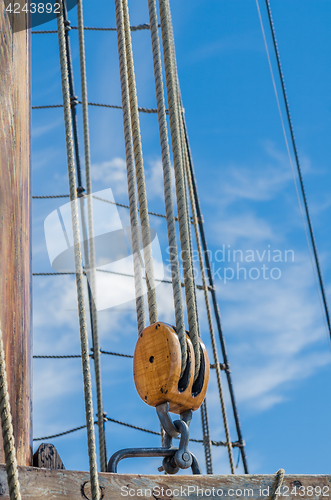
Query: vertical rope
[[78, 262], [7, 431], [297, 161], [166, 164], [215, 304], [142, 196], [91, 271], [130, 167], [179, 175], [206, 437], [209, 315]]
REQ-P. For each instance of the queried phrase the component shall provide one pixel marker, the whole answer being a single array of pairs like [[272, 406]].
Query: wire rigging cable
[[130, 426], [291, 165], [209, 315], [296, 155], [90, 252], [184, 175], [78, 259]]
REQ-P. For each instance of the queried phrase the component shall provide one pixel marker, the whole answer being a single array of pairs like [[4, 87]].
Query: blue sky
[[277, 342]]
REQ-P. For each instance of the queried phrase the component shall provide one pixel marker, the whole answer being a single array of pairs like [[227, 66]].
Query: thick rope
[[78, 261], [209, 314], [137, 146], [279, 481], [130, 168], [166, 164], [7, 431], [180, 182], [91, 271]]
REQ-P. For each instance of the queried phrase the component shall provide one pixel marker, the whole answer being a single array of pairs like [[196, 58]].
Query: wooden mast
[[15, 222]]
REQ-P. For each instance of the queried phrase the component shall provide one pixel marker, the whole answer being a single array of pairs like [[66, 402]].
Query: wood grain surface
[[15, 227], [157, 366], [41, 484]]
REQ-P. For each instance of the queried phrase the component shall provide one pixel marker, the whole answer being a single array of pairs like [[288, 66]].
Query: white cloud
[[276, 333], [113, 174]]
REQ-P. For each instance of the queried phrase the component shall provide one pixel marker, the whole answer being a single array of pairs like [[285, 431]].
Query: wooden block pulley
[[157, 367]]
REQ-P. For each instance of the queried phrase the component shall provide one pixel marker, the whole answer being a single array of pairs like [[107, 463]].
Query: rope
[[78, 260], [112, 106], [209, 315], [53, 274], [139, 27], [126, 206], [102, 199], [168, 282], [130, 168], [7, 431], [69, 356], [46, 438], [51, 196], [225, 366], [116, 354], [279, 481], [296, 154], [91, 260], [137, 147], [131, 426], [50, 105], [179, 175], [166, 164], [206, 437]]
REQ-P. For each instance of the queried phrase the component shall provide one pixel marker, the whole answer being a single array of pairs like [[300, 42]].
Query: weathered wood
[[157, 366], [48, 457], [15, 215], [39, 484]]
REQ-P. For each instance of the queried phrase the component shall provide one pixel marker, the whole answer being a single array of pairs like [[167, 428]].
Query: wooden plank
[[15, 228], [41, 484]]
